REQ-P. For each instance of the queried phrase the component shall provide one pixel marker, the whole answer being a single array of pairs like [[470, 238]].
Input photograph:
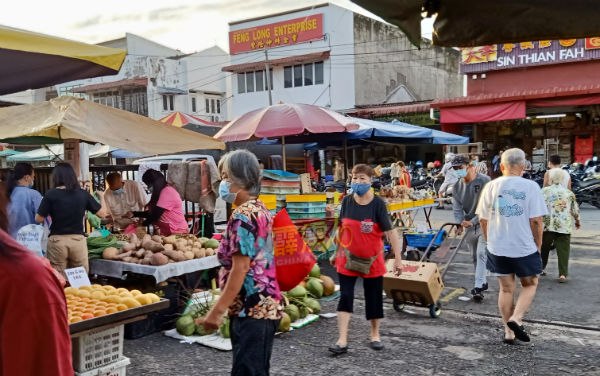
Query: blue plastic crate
[[306, 215], [422, 240], [308, 204], [305, 210]]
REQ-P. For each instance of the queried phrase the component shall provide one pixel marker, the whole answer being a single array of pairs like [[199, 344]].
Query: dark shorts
[[526, 266], [252, 341]]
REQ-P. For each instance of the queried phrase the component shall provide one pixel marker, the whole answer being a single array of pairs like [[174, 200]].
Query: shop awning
[[260, 65], [129, 82], [483, 113], [31, 60], [51, 152], [390, 109]]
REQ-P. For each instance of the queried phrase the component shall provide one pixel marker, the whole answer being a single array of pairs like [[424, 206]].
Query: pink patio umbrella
[[285, 119]]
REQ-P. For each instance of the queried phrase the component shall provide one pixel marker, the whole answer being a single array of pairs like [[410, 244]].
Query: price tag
[[77, 277]]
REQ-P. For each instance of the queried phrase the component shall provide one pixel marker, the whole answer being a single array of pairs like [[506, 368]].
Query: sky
[[187, 25]]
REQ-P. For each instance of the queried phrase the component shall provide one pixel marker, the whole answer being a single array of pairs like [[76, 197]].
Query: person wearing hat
[[465, 197]]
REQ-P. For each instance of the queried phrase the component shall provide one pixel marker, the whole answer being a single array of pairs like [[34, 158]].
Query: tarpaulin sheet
[[483, 113]]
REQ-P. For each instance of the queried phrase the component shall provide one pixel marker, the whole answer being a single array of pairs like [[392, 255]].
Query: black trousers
[[252, 341], [373, 295]]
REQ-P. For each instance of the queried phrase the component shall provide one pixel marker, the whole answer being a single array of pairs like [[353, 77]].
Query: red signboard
[[278, 34]]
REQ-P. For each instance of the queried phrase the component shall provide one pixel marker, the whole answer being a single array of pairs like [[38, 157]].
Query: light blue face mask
[[462, 173], [360, 188], [150, 189], [224, 192], [30, 185], [118, 191]]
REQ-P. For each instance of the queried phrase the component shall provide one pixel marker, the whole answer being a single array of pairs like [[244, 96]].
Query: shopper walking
[[558, 224], [465, 197], [23, 200], [250, 292], [34, 330], [363, 221], [554, 162], [511, 211], [449, 179], [66, 204]]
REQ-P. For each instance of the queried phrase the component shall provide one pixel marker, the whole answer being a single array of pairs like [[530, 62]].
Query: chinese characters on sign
[[287, 240], [77, 277], [278, 34], [512, 55]]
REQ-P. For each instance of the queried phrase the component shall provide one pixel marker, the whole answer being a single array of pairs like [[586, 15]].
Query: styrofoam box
[[118, 368], [97, 349]]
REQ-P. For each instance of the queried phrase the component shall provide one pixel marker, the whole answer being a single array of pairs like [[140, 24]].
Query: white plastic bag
[[34, 238]]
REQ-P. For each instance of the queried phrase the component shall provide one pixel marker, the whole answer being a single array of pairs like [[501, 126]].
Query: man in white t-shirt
[[511, 211], [122, 197], [554, 162]]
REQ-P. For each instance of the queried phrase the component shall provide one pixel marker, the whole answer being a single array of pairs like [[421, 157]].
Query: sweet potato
[[174, 255], [159, 259], [110, 253], [210, 252], [140, 253], [146, 261], [157, 238], [128, 259], [148, 254], [169, 247], [199, 252], [152, 246], [123, 255], [189, 255], [170, 240], [146, 237], [128, 247]]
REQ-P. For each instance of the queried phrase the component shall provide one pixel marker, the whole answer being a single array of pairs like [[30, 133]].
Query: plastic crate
[[307, 215], [306, 198], [306, 210], [97, 349], [422, 240], [275, 183], [118, 368], [280, 175], [302, 205], [279, 190]]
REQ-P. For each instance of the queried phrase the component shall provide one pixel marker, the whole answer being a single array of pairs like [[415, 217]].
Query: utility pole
[[268, 74]]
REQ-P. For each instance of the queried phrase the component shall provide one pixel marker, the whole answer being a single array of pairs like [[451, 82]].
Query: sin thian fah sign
[[278, 34], [514, 55]]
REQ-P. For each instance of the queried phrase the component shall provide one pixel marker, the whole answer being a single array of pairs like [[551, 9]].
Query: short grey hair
[[241, 166], [514, 157], [555, 176]]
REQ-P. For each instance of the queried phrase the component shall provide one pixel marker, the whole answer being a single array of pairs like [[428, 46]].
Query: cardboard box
[[420, 283]]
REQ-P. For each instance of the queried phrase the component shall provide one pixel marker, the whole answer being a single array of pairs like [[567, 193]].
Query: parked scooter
[[586, 191]]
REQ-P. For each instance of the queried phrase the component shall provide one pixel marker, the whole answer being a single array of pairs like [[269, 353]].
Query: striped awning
[[180, 119]]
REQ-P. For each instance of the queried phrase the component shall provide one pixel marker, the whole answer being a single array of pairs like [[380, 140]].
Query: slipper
[[519, 331], [562, 279], [508, 341], [338, 350]]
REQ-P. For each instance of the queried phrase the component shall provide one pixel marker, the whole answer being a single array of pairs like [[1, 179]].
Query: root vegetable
[[157, 238], [210, 252], [122, 256], [174, 255], [110, 253], [152, 246], [128, 247], [199, 252], [128, 259], [140, 253], [169, 247], [170, 240], [148, 254], [146, 237], [189, 255], [159, 259], [133, 239], [146, 261]]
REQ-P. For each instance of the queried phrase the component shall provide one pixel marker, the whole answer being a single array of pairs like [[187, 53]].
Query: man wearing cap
[[465, 197]]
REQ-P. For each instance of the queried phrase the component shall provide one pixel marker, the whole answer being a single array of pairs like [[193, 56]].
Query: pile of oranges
[[87, 302]]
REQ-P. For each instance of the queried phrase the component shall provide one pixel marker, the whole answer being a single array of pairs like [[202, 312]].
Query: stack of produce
[[188, 324], [401, 193], [302, 299], [97, 244], [87, 302], [159, 250]]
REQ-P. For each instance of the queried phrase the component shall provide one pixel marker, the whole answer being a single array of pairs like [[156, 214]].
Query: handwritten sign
[[278, 34], [77, 277]]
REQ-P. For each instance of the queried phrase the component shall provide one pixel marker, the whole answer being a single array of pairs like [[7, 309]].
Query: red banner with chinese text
[[278, 34], [293, 258]]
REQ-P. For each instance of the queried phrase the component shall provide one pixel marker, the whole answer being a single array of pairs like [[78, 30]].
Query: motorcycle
[[586, 191]]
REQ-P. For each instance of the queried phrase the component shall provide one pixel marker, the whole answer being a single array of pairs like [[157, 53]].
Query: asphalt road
[[464, 340]]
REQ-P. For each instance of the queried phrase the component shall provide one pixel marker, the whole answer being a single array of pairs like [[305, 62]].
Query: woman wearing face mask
[[363, 222], [164, 210], [250, 293], [24, 201]]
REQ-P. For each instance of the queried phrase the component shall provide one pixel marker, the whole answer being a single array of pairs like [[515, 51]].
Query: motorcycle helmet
[[437, 164], [419, 163], [449, 157], [430, 165]]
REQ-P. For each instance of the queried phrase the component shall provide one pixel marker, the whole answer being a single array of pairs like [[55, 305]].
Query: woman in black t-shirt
[[66, 204]]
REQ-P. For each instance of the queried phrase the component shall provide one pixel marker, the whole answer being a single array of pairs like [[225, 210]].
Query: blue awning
[[437, 137], [371, 128]]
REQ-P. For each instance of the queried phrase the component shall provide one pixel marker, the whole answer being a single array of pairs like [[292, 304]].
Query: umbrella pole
[[283, 153], [345, 164]]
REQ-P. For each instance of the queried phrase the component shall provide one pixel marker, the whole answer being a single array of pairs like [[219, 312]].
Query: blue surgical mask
[[224, 192], [360, 188], [150, 189], [30, 185], [118, 191], [461, 173]]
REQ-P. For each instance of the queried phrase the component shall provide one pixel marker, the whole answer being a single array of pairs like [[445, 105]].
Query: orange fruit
[[87, 316], [111, 310], [136, 292], [98, 295], [121, 307], [84, 294], [75, 319], [131, 303], [122, 290], [99, 312]]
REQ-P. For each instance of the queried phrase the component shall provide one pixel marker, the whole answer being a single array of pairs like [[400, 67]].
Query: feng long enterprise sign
[[514, 55], [278, 34]]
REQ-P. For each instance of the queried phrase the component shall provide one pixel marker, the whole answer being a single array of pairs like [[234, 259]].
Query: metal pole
[[268, 74]]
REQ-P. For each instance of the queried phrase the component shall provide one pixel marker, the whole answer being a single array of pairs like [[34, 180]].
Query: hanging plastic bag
[[293, 258], [34, 238]]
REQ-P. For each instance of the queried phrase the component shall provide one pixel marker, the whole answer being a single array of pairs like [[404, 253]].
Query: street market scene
[[344, 187]]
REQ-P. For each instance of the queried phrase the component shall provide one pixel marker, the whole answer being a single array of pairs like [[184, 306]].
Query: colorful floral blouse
[[562, 207], [249, 231]]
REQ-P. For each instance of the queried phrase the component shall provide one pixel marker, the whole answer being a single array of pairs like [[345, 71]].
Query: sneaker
[[477, 294], [484, 287]]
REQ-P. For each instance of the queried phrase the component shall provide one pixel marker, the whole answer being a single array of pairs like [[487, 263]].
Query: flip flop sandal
[[519, 331], [507, 340], [562, 280]]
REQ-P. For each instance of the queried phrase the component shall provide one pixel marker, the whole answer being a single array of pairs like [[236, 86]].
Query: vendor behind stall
[[122, 197], [165, 207]]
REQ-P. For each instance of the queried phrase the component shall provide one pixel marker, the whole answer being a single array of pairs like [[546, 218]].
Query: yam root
[[189, 255], [122, 256], [210, 252], [174, 255], [146, 237], [198, 252], [110, 253], [152, 246], [128, 247], [140, 253], [159, 259], [147, 261], [148, 254], [169, 247], [157, 238], [170, 240]]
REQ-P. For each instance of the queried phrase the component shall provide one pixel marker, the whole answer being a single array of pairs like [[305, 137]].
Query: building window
[[218, 106], [165, 103], [241, 85], [207, 106], [193, 104], [287, 77], [212, 106], [168, 102], [259, 79], [297, 75], [249, 82], [68, 90], [308, 74], [318, 73], [128, 99]]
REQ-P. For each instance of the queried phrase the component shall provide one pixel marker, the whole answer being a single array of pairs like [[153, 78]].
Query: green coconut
[[185, 325], [292, 311], [224, 329], [297, 292], [284, 324], [315, 288], [315, 272], [303, 312], [313, 304], [201, 331], [211, 243]]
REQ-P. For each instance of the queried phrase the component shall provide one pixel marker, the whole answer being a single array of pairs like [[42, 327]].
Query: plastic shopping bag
[[34, 238], [293, 258]]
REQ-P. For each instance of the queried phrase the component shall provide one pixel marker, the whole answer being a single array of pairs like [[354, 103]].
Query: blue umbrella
[[373, 129], [437, 137]]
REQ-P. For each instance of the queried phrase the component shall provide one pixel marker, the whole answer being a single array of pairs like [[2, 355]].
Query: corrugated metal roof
[[141, 81], [389, 109], [258, 65]]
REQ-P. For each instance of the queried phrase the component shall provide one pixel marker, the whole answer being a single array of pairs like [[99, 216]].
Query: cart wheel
[[399, 307], [435, 310]]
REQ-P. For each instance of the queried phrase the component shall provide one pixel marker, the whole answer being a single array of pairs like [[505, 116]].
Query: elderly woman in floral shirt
[[250, 292], [558, 224]]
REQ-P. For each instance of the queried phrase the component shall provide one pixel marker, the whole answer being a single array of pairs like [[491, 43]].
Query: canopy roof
[[470, 23], [69, 117], [30, 60], [52, 152], [180, 119]]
